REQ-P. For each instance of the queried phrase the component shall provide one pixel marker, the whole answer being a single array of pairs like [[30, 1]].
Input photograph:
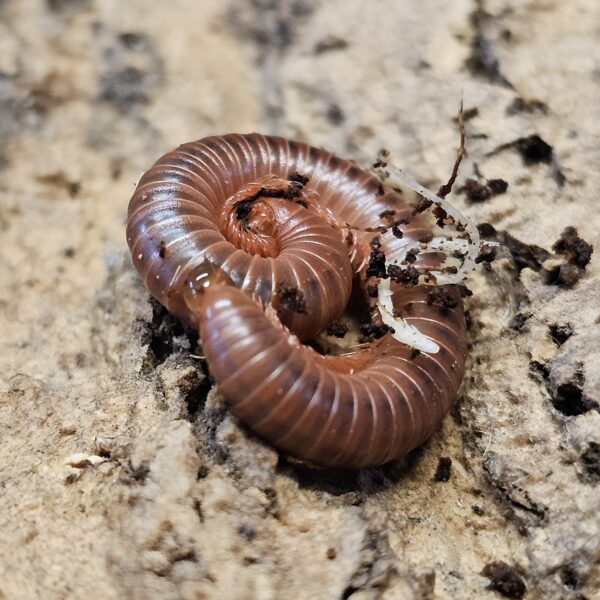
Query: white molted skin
[[403, 332]]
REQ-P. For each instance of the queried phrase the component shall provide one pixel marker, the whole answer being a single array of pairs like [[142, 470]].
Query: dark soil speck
[[505, 579]]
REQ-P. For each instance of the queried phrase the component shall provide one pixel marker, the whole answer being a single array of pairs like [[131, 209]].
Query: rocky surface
[[121, 473]]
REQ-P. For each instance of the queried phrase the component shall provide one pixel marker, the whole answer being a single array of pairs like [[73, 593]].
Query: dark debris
[[533, 150], [408, 277], [505, 579], [423, 204], [337, 329], [443, 470], [521, 105], [524, 255], [477, 191], [441, 296], [299, 178], [560, 333], [376, 266], [576, 250], [372, 331], [290, 299]]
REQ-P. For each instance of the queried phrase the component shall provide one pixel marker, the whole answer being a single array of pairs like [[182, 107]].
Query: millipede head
[[201, 278]]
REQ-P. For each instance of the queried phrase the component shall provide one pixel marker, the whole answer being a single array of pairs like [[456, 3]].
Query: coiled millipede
[[261, 242]]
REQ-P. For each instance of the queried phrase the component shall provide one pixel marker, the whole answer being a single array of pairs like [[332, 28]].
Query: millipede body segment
[[261, 243]]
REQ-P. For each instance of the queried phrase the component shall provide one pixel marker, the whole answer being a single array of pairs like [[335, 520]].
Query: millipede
[[262, 243]]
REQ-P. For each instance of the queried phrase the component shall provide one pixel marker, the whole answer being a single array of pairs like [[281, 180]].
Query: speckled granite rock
[[121, 474]]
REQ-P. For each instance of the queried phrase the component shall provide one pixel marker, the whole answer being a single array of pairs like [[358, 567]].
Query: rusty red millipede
[[260, 242]]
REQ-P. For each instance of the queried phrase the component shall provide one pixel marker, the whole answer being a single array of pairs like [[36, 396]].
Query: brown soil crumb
[[465, 292], [386, 214], [573, 248], [444, 468], [397, 232], [487, 231], [486, 255], [298, 178], [505, 579], [60, 180], [441, 296], [411, 255], [376, 266], [329, 44], [533, 150], [371, 331], [408, 277], [337, 329], [441, 216], [521, 105], [477, 191], [423, 204], [290, 299]]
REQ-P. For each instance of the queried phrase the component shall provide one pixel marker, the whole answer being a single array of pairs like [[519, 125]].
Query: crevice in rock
[[568, 397], [164, 335]]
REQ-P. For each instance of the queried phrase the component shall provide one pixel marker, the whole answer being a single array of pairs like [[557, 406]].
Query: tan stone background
[[119, 476]]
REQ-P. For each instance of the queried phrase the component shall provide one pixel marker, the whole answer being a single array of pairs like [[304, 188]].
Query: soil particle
[[486, 255], [408, 277], [521, 105], [423, 204], [487, 231], [298, 178], [329, 44], [505, 579], [337, 329], [441, 296], [477, 191], [443, 470], [290, 299], [376, 266], [373, 331], [573, 248], [533, 150], [335, 115]]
